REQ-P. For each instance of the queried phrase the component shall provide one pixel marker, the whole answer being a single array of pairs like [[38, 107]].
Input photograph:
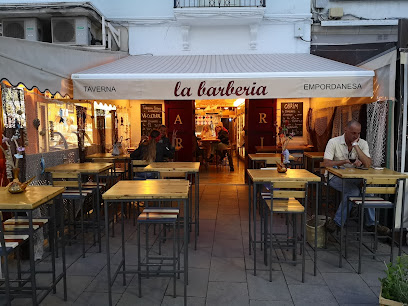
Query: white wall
[[167, 40], [154, 28]]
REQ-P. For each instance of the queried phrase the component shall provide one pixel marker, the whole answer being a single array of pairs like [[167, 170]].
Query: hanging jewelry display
[[52, 130], [25, 136], [9, 158], [14, 119], [13, 107]]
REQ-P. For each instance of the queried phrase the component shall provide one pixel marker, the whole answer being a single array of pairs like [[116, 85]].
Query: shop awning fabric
[[46, 66], [256, 76]]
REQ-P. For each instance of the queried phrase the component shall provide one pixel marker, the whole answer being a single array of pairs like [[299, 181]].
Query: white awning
[[47, 66], [191, 77]]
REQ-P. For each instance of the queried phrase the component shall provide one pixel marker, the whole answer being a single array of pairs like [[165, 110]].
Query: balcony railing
[[219, 3]]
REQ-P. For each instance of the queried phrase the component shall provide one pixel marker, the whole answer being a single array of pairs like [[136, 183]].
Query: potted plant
[[394, 286]]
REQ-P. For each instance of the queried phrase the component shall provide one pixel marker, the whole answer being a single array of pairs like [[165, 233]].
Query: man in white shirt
[[348, 150]]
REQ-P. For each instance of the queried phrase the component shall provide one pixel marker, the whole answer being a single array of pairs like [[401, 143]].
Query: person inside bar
[[222, 146], [349, 150], [205, 134], [163, 135], [154, 148]]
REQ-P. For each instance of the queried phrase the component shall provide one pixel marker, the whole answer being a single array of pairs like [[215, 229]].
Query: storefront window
[[62, 125]]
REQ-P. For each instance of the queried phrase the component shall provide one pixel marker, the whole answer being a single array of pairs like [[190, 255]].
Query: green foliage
[[395, 284]]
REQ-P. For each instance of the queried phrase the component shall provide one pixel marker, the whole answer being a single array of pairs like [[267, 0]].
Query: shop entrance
[[250, 123]]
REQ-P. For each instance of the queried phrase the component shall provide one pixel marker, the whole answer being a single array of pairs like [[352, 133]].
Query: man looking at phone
[[349, 150]]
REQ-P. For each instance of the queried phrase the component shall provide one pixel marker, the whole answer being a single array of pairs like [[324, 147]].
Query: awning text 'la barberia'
[[221, 91]]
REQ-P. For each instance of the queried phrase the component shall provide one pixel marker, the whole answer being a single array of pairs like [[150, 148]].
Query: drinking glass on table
[[349, 158], [353, 158]]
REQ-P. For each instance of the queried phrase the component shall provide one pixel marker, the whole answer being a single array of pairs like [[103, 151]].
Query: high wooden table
[[355, 173], [26, 202], [109, 158], [210, 140], [192, 169], [87, 169], [257, 178], [145, 190], [268, 158], [310, 158]]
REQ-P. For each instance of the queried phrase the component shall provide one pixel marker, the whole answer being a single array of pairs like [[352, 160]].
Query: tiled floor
[[221, 269]]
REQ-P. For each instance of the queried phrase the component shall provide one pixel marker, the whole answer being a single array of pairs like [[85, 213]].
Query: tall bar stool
[[111, 176], [75, 193], [162, 216], [374, 193], [283, 198], [12, 237], [138, 173]]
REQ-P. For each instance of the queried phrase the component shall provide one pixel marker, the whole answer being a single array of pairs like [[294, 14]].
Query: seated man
[[349, 150], [222, 135]]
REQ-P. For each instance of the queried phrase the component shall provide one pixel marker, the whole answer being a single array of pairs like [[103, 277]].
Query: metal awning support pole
[[404, 62]]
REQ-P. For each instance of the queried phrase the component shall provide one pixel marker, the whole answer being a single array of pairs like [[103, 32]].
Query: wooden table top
[[266, 149], [314, 155], [258, 175], [148, 189], [31, 198], [270, 158], [365, 174], [174, 166], [91, 168], [139, 162], [108, 156], [210, 139]]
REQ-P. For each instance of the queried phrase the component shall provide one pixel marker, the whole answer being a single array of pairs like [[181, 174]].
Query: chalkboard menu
[[293, 113], [151, 117]]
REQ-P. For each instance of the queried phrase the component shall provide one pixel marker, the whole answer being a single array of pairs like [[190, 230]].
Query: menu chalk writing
[[292, 112], [151, 118]]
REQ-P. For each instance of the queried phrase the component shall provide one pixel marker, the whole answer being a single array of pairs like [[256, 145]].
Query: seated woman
[[154, 149], [205, 134]]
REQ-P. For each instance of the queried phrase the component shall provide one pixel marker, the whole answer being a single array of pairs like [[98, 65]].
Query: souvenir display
[[13, 108]]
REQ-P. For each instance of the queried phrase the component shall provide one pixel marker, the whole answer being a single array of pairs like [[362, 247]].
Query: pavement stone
[[227, 293], [349, 288]]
